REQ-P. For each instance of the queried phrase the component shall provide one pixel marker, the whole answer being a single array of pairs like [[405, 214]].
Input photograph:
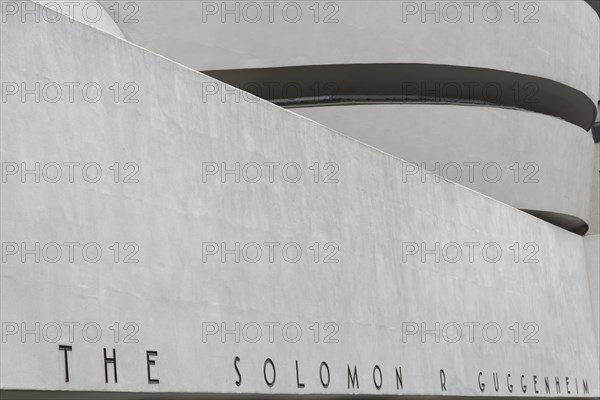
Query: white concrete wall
[[592, 254], [557, 40], [88, 12], [170, 212], [595, 193], [528, 160]]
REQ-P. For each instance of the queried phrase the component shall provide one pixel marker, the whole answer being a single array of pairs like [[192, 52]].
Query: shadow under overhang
[[315, 84]]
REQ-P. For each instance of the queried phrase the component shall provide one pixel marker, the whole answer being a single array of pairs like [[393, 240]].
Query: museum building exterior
[[238, 199]]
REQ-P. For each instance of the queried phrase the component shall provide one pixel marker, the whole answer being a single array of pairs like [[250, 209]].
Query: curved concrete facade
[[88, 12], [531, 161], [331, 84], [592, 255], [595, 4], [557, 40], [595, 194], [172, 209], [146, 231]]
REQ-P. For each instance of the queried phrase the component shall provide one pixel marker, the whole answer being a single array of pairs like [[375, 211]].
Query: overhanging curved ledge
[[528, 151], [414, 81], [595, 4], [568, 222]]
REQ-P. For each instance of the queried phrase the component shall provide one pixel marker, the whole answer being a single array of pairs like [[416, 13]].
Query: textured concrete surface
[[592, 254], [595, 4], [527, 160], [595, 193], [88, 12], [370, 214], [557, 40]]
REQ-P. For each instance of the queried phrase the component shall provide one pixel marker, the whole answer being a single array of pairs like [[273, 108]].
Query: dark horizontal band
[[318, 83], [568, 222]]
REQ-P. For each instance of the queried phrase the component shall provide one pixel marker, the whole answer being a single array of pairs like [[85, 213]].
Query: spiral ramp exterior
[[434, 128]]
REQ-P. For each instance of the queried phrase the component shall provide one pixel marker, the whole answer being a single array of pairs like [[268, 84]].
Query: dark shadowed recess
[[565, 221], [363, 83]]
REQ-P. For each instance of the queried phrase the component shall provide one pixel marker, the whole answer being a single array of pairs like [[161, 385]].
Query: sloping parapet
[[207, 248], [535, 55], [531, 161]]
